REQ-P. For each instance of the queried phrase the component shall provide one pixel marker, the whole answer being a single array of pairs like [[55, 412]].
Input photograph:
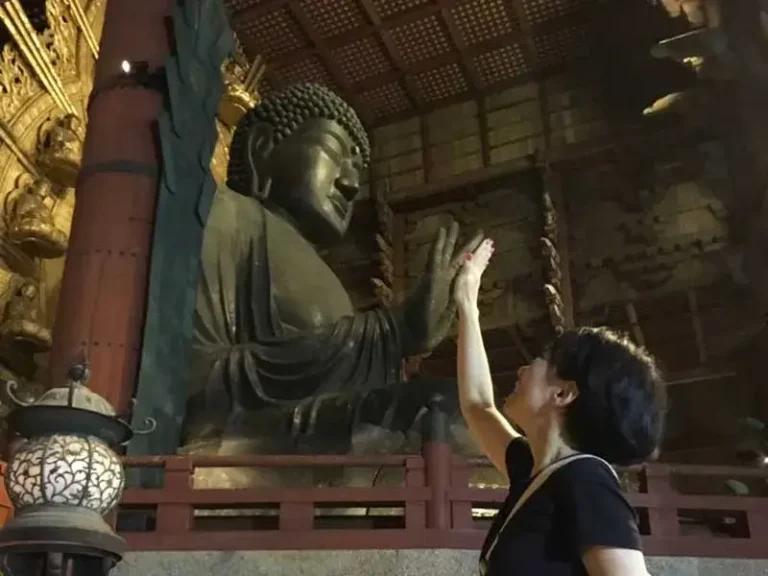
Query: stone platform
[[378, 563]]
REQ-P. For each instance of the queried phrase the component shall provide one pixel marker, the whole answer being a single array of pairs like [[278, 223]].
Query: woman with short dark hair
[[592, 398]]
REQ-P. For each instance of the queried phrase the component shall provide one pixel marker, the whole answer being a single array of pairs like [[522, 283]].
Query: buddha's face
[[315, 176]]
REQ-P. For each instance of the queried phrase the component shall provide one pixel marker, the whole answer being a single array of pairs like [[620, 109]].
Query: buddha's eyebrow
[[342, 142]]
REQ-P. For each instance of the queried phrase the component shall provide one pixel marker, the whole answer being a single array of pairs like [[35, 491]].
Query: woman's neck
[[547, 446]]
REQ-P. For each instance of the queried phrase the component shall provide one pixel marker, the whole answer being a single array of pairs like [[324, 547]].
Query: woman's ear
[[566, 393], [261, 143]]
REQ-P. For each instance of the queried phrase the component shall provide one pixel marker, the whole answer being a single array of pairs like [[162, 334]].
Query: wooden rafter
[[467, 63], [527, 28], [467, 57], [325, 57], [389, 43]]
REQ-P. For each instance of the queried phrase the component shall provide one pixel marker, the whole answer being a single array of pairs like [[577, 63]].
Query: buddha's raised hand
[[428, 311]]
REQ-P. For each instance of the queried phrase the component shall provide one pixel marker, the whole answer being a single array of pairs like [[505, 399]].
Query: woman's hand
[[467, 285]]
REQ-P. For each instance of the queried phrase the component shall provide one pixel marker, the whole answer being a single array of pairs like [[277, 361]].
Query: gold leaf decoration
[[17, 84]]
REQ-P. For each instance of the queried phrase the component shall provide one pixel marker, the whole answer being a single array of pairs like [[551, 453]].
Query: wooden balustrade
[[433, 508], [6, 508]]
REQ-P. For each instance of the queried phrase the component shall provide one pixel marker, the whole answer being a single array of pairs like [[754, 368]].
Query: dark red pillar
[[103, 292], [437, 462]]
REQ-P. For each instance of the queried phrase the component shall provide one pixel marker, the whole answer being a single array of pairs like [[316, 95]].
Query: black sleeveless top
[[579, 506]]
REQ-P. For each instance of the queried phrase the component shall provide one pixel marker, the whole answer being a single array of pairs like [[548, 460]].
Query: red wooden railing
[[434, 508], [6, 508]]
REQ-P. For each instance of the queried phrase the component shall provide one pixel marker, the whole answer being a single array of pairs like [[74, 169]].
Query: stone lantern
[[62, 478]]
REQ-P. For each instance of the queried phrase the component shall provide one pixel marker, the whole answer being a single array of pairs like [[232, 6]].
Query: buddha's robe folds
[[275, 330]]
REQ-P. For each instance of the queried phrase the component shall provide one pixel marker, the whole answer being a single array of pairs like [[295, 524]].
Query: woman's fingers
[[477, 262], [482, 255]]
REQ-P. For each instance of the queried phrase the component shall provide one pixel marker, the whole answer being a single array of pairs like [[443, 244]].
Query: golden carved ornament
[[697, 12], [240, 93], [59, 40], [21, 326], [555, 307], [666, 103], [240, 96], [220, 157], [383, 292], [39, 53], [17, 84], [29, 220], [61, 149]]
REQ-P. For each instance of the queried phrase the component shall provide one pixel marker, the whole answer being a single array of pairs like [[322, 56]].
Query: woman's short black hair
[[620, 409]]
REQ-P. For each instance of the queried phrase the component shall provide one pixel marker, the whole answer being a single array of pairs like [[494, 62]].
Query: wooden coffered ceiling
[[395, 57]]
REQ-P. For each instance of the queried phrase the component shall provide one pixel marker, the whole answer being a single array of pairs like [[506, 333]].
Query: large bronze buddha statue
[[280, 354]]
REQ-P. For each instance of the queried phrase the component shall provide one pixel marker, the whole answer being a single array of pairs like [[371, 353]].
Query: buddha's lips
[[341, 206]]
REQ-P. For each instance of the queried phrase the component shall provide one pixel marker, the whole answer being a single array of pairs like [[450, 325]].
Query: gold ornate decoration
[[7, 138], [61, 149], [220, 157], [17, 85], [240, 93], [21, 325], [45, 79], [665, 103], [384, 253], [85, 27], [59, 41], [549, 253], [18, 25], [29, 221], [697, 12]]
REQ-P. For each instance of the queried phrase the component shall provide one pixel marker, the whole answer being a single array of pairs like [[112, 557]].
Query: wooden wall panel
[[511, 215], [626, 242]]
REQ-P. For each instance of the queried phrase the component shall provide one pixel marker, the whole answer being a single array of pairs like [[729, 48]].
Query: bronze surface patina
[[282, 361]]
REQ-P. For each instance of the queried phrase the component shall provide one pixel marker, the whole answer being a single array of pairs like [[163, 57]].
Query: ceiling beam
[[326, 59], [528, 34], [468, 54], [385, 36], [465, 58], [461, 53]]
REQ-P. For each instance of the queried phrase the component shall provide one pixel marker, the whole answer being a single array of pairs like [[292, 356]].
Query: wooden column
[[102, 300]]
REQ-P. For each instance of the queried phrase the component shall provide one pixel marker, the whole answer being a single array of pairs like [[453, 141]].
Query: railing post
[[415, 512], [461, 512], [296, 516], [437, 463], [662, 519], [178, 481], [757, 520]]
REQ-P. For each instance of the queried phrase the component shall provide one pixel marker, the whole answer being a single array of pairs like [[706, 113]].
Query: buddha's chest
[[307, 293]]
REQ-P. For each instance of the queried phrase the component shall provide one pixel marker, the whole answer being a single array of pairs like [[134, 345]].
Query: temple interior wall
[[625, 240]]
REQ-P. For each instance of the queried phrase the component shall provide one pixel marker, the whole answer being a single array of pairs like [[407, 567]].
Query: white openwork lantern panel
[[65, 469]]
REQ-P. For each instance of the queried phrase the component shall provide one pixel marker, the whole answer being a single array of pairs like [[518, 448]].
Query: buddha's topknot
[[285, 111]]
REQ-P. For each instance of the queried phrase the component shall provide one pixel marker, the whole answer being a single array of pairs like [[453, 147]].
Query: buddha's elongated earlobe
[[261, 143]]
